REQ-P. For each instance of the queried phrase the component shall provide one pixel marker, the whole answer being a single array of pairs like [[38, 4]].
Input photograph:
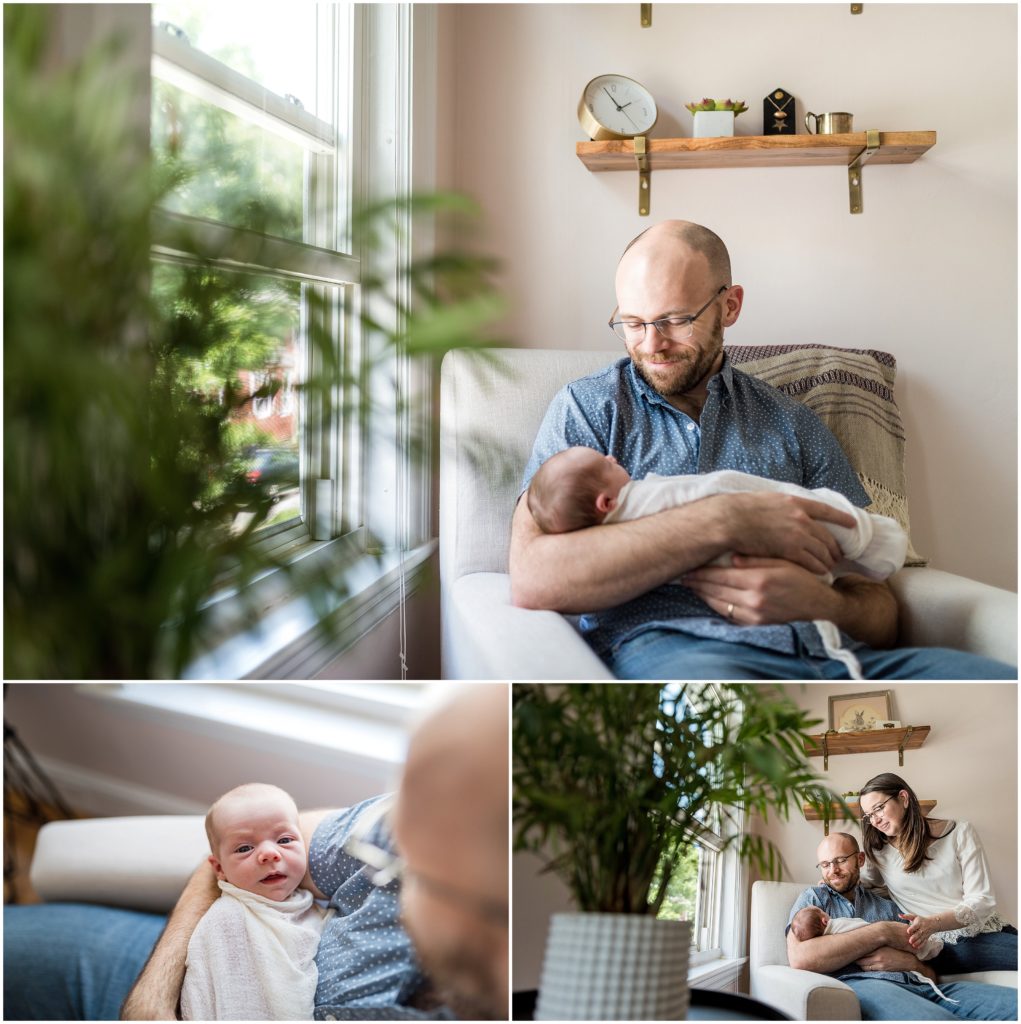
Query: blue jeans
[[73, 961], [669, 654], [991, 951], [891, 1000]]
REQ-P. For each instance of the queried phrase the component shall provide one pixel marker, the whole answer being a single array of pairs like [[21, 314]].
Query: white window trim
[[378, 163]]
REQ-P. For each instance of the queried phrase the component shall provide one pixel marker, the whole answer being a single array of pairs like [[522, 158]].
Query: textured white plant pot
[[712, 124], [614, 967]]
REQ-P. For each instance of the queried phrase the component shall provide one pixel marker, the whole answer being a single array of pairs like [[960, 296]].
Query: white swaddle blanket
[[875, 547], [253, 958]]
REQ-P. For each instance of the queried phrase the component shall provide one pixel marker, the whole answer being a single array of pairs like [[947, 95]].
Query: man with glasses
[[675, 405], [876, 960]]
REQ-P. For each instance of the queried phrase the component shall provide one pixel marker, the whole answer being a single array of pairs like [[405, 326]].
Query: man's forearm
[[603, 566], [867, 611], [831, 952], [158, 989]]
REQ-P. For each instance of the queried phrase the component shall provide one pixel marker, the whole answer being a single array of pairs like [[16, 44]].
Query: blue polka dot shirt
[[745, 425], [367, 964]]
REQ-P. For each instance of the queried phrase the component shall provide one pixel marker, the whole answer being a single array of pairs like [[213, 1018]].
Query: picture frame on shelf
[[860, 712]]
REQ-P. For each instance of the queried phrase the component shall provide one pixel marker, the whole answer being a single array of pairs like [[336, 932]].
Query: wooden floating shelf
[[811, 814], [870, 742], [756, 151]]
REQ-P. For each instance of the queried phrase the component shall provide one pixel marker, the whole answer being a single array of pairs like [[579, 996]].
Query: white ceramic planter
[[712, 124], [614, 967]]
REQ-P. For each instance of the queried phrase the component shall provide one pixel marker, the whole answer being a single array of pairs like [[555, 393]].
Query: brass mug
[[829, 124]]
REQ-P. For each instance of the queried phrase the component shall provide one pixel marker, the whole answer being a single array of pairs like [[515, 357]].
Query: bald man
[[450, 825], [675, 405]]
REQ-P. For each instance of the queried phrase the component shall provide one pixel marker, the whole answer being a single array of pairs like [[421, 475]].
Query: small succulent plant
[[738, 107]]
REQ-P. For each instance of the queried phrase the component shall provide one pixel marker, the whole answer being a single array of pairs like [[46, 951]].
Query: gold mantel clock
[[615, 107]]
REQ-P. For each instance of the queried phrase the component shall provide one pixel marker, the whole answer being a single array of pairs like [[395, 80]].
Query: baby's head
[[255, 840], [574, 488], [809, 923]]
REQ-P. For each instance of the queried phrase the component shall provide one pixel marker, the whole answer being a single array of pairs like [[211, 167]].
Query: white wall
[[928, 271], [968, 765]]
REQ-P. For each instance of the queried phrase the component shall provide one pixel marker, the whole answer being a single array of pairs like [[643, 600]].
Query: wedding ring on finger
[[730, 611]]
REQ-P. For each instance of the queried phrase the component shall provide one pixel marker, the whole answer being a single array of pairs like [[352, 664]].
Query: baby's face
[[259, 846]]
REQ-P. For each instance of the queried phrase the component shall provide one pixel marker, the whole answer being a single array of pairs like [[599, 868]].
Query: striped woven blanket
[[851, 391]]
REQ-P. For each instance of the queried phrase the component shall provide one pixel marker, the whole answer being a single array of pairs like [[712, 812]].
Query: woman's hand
[[920, 928]]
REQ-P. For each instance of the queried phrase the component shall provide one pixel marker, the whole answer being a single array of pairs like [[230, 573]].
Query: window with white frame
[[259, 106], [306, 109], [695, 891]]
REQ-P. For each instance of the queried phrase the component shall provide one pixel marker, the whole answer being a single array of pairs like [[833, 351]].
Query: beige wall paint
[[928, 272], [968, 765]]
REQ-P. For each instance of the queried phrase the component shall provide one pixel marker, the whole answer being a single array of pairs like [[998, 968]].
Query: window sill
[[720, 975], [288, 641]]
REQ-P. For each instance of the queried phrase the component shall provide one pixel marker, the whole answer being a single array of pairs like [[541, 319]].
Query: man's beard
[[847, 884], [687, 372]]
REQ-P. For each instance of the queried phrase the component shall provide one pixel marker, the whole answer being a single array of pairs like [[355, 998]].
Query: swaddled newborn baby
[[811, 922], [252, 956]]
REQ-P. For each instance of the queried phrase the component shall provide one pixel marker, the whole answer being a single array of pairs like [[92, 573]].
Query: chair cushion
[[851, 391]]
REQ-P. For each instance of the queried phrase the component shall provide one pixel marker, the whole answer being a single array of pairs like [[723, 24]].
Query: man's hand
[[770, 590], [763, 591], [886, 958], [783, 526]]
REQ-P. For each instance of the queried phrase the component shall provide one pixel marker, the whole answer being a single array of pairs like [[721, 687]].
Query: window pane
[[273, 44], [232, 162], [236, 342]]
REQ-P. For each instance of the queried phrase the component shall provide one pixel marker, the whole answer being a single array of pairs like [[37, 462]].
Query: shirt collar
[[725, 373]]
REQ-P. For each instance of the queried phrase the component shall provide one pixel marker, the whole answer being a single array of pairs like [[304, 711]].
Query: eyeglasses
[[825, 865], [389, 866], [867, 818], [673, 328]]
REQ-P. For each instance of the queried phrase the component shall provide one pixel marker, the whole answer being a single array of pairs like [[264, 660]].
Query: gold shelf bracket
[[646, 15], [903, 744], [854, 169], [644, 175], [825, 753]]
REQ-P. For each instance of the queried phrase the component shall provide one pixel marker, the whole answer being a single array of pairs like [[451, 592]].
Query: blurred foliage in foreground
[[123, 482]]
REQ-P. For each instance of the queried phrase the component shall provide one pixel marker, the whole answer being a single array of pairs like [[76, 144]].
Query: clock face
[[613, 106]]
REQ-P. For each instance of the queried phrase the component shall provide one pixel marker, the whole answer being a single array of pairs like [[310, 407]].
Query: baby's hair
[[563, 499], [248, 789], [807, 923]]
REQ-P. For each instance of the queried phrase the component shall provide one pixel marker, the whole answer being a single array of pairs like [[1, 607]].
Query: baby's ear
[[217, 868], [605, 503]]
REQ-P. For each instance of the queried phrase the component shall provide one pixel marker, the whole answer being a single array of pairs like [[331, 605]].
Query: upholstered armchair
[[805, 995], [491, 406]]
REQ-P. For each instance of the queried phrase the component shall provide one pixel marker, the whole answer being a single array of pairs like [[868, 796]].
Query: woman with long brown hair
[[936, 872]]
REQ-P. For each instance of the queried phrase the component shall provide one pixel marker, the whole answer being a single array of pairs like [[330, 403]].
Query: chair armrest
[[804, 995], [486, 637], [940, 609], [141, 863]]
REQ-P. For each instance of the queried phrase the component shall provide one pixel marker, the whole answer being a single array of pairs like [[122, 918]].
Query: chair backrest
[[492, 403], [771, 906]]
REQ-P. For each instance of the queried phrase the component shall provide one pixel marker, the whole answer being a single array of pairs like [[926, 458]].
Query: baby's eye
[[286, 839], [244, 848]]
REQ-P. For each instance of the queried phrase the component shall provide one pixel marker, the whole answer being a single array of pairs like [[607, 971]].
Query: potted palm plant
[[613, 783]]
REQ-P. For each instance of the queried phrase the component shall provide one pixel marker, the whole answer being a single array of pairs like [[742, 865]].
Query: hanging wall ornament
[[778, 113]]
